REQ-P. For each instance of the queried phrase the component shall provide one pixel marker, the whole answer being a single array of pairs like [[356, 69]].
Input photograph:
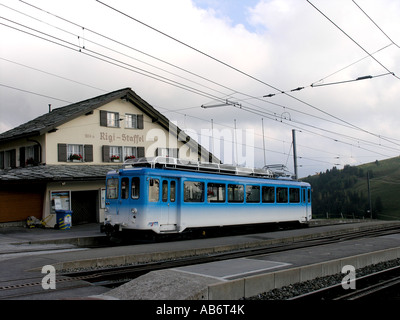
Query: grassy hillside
[[338, 193]]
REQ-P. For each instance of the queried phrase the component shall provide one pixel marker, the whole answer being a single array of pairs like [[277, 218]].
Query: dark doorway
[[84, 206]]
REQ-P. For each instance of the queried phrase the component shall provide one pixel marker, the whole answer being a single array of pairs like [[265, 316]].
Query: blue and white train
[[168, 195]]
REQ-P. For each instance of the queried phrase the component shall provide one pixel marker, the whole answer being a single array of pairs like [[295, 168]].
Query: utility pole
[[265, 157], [369, 195], [294, 153]]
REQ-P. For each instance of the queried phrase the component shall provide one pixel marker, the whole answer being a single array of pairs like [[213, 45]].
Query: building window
[[131, 121], [112, 119], [130, 153], [8, 159], [134, 121], [120, 154], [109, 119], [115, 154], [167, 152], [75, 152], [29, 155]]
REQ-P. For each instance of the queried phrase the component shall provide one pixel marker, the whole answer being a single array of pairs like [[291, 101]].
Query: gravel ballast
[[300, 288]]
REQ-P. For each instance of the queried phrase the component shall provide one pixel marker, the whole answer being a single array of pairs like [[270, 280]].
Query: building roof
[[48, 173], [50, 121], [59, 116]]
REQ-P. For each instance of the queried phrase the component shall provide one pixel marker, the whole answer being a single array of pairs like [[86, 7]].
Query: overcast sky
[[181, 54]]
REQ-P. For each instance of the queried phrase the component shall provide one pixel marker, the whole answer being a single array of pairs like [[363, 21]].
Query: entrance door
[[169, 207], [84, 206]]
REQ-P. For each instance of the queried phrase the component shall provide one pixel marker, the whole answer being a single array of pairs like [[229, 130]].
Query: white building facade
[[59, 160]]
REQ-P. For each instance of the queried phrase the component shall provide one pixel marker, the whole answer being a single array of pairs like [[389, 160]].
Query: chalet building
[[60, 159]]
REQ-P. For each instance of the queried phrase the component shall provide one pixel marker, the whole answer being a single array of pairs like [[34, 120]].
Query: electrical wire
[[376, 24], [99, 34], [297, 89], [80, 48], [34, 93], [348, 36]]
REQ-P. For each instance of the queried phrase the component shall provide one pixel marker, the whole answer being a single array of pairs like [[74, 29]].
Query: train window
[[309, 195], [135, 193], [281, 195], [112, 188], [193, 191], [253, 194], [268, 194], [235, 193], [165, 191], [172, 191], [294, 195], [124, 188], [154, 190], [216, 192]]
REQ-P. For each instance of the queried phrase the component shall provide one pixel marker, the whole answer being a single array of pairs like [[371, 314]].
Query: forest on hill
[[344, 193]]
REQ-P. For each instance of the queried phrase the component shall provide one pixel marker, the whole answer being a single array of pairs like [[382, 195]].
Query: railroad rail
[[366, 287], [114, 276]]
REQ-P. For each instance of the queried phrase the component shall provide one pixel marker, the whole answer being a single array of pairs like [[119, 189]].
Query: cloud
[[283, 44]]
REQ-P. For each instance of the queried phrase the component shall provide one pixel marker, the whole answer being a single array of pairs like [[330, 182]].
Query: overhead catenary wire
[[315, 84], [376, 25], [354, 41], [96, 33], [80, 45], [242, 72], [240, 106], [337, 118]]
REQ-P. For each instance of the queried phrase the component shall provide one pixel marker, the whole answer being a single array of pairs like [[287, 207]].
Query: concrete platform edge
[[254, 285]]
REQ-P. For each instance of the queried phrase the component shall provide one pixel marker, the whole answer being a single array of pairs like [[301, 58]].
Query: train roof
[[273, 173]]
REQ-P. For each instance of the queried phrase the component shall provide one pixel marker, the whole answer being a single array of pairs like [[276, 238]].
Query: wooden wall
[[19, 202]]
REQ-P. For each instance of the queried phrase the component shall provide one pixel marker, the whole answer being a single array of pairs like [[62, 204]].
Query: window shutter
[[140, 152], [13, 158], [22, 157], [106, 154], [1, 159], [140, 124], [62, 152], [36, 154], [88, 152], [103, 118]]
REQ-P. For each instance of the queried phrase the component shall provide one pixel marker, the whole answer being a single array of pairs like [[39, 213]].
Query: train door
[[124, 201], [169, 205], [306, 202], [112, 196]]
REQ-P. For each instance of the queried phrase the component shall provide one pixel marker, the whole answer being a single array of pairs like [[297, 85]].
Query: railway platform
[[231, 279]]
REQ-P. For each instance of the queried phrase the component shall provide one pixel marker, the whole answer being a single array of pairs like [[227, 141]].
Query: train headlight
[[134, 210]]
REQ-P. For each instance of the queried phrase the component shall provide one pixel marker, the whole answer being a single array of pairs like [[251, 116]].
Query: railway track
[[114, 276], [377, 286]]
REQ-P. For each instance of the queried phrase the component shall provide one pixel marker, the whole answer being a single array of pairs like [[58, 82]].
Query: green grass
[[384, 183]]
